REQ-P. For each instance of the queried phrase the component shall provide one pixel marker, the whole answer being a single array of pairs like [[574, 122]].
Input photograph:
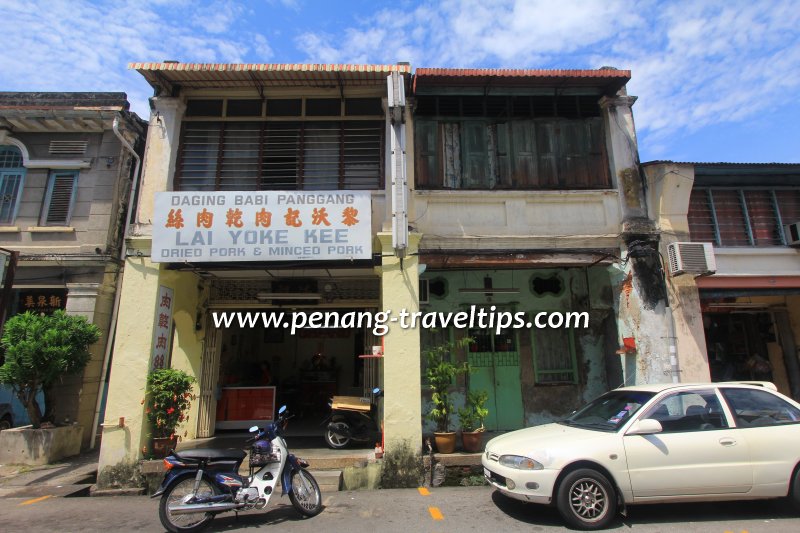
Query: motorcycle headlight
[[519, 462]]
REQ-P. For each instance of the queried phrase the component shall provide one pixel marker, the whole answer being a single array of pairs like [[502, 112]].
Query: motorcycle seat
[[198, 454]]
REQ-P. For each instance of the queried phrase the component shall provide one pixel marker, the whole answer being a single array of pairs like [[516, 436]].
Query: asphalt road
[[405, 510]]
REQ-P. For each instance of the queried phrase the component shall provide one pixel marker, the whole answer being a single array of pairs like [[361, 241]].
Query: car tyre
[[794, 492], [5, 423], [586, 499]]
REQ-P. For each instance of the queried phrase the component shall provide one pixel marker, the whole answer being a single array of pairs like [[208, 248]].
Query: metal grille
[[231, 292], [480, 359], [701, 217], [10, 185], [742, 217], [68, 147], [10, 157], [506, 359], [281, 155]]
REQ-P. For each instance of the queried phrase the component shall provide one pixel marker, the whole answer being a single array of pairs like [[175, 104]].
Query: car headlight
[[519, 462]]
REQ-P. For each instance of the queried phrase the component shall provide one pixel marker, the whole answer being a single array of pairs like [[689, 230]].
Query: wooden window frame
[[48, 198]]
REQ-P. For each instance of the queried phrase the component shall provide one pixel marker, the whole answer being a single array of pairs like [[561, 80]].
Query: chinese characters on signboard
[[162, 332], [41, 300], [262, 226]]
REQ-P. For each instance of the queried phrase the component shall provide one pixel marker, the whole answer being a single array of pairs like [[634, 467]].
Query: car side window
[[759, 408], [689, 411]]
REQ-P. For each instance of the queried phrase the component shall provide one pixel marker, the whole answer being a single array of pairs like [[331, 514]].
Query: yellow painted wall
[[402, 401], [131, 358]]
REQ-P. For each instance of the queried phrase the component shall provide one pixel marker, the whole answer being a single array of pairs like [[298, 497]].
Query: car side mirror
[[646, 426]]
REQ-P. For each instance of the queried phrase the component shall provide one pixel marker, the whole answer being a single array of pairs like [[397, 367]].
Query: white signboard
[[162, 330], [262, 226]]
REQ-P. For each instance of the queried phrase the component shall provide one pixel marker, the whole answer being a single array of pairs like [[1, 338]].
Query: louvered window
[[12, 177], [280, 155], [510, 142], [60, 199], [742, 217]]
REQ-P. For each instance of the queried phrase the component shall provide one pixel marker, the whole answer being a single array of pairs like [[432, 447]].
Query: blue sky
[[716, 80]]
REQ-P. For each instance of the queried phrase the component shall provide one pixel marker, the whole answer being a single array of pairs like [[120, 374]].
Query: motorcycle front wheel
[[176, 495], [336, 440], [304, 493]]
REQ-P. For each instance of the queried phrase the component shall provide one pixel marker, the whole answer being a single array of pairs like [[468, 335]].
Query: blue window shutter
[[60, 198]]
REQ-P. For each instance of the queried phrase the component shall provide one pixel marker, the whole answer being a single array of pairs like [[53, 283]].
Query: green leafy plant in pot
[[439, 375], [472, 416], [167, 398], [39, 350]]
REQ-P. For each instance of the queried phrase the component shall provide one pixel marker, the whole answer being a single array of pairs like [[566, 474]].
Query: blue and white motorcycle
[[201, 483]]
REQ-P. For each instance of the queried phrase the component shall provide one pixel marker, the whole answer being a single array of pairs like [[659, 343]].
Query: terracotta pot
[[472, 441], [163, 445], [445, 442]]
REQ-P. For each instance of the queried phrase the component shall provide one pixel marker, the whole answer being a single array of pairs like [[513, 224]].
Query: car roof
[[659, 387]]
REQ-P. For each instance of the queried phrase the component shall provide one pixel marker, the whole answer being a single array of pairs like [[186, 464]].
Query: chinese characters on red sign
[[41, 300], [162, 332], [262, 226]]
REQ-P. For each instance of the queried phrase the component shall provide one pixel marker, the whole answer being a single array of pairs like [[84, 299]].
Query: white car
[[654, 444]]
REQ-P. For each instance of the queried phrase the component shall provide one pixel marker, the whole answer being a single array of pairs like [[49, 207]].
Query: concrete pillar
[[78, 395], [641, 295], [402, 402], [131, 360], [161, 152], [669, 189]]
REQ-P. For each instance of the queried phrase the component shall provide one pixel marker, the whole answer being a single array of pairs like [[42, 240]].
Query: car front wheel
[[794, 492], [586, 499]]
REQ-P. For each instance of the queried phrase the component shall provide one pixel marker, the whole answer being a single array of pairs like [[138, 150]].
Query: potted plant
[[168, 396], [39, 350], [472, 416], [439, 374]]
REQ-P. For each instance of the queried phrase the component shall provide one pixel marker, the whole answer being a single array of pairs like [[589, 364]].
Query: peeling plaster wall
[[586, 290]]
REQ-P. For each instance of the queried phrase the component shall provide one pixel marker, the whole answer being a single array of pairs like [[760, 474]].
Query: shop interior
[[262, 369], [739, 345]]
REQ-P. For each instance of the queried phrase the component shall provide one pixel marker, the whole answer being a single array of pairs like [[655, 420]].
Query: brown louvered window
[[61, 190], [281, 155], [742, 217]]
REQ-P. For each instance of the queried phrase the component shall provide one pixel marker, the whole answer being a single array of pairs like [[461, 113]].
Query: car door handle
[[727, 442]]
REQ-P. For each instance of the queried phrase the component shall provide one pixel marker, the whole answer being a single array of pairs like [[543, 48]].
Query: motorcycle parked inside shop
[[353, 419], [201, 483]]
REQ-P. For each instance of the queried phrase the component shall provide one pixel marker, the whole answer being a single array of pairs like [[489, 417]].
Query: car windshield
[[610, 411]]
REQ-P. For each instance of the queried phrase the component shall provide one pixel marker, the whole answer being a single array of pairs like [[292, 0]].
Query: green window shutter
[[526, 170], [426, 139], [60, 198], [546, 143], [475, 155]]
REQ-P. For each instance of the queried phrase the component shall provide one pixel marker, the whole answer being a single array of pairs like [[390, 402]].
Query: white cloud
[[82, 46], [693, 64]]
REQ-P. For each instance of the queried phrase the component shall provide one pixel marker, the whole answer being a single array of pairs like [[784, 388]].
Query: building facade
[[279, 189], [746, 313], [68, 168]]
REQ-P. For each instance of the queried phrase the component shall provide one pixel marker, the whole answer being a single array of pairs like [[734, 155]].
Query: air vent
[[68, 147], [691, 258]]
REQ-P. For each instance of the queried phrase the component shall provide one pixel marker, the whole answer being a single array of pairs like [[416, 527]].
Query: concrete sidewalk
[[70, 477]]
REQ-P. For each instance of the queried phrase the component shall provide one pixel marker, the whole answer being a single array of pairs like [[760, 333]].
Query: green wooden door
[[495, 363]]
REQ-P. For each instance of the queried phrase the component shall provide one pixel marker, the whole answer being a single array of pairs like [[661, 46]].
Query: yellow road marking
[[436, 514], [36, 500], [424, 491]]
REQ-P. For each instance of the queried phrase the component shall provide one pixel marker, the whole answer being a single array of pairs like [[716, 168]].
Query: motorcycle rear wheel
[[336, 441], [185, 523], [304, 493]]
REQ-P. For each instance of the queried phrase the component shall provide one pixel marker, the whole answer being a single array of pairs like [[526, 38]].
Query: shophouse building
[[371, 188], [68, 164], [745, 308]]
